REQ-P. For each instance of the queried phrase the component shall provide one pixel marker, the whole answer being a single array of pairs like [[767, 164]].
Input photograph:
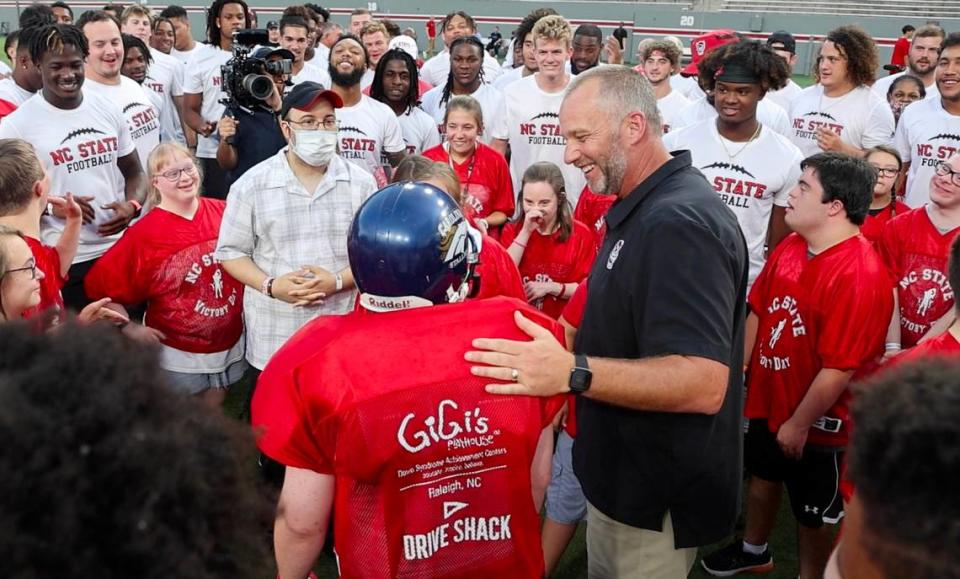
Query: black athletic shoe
[[732, 559]]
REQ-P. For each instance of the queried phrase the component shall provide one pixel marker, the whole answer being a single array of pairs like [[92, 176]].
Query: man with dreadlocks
[[203, 89], [86, 147], [751, 167], [369, 129], [466, 79], [533, 107], [396, 84]]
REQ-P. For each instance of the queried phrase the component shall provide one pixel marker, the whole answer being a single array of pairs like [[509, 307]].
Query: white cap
[[406, 44]]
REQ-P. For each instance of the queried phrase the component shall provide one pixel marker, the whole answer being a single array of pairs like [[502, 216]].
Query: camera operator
[[249, 131]]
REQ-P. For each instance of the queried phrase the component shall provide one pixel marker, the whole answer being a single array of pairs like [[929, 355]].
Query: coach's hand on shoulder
[[539, 367]]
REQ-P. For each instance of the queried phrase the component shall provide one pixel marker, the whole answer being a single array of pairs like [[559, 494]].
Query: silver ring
[[514, 374]]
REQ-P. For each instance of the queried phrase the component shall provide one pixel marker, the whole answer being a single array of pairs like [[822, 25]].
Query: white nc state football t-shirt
[[418, 130], [79, 148], [861, 118], [670, 107], [138, 110], [492, 106], [310, 73], [926, 135], [11, 92], [759, 175], [367, 130], [165, 78], [533, 123], [203, 77], [769, 114]]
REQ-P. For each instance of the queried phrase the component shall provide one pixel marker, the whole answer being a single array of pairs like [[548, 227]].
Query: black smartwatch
[[580, 375]]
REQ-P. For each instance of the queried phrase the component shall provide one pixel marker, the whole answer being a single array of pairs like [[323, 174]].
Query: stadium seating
[[906, 8]]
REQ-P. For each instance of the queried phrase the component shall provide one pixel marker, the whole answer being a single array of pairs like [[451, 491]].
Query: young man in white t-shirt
[[368, 128], [660, 59], [103, 77], [294, 36], [455, 25], [929, 130], [86, 147], [523, 39], [375, 39], [533, 107], [466, 78], [751, 167], [24, 80], [784, 45], [203, 90], [841, 113], [395, 85], [165, 77], [921, 61], [184, 46]]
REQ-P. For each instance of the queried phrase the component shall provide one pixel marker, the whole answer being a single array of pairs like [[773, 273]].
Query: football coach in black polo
[[658, 359]]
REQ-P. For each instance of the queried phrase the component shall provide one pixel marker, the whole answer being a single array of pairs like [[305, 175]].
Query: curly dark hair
[[36, 15], [54, 38], [530, 20], [771, 69], [412, 97], [860, 51], [904, 458], [130, 42], [108, 473], [213, 16]]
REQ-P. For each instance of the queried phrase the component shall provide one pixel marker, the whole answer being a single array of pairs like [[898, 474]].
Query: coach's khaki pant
[[618, 551]]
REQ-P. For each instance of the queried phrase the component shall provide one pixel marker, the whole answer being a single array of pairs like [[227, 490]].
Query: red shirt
[[592, 210], [828, 311], [431, 29], [916, 254], [6, 107], [167, 261], [900, 50], [432, 473], [573, 314], [484, 178], [943, 346], [48, 261], [872, 227], [499, 276], [546, 258]]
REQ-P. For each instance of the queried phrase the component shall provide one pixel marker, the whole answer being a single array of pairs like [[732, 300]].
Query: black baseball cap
[[265, 52], [272, 24], [783, 38], [305, 96]]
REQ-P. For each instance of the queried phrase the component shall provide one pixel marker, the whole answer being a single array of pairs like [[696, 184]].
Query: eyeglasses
[[175, 174], [315, 125], [943, 169], [31, 267], [885, 172]]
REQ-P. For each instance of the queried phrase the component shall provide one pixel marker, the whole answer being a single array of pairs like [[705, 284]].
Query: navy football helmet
[[409, 244]]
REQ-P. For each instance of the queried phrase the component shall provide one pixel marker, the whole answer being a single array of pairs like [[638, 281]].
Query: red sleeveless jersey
[[432, 473]]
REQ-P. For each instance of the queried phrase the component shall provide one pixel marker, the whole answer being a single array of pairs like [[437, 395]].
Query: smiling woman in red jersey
[[554, 252], [884, 207], [166, 259], [483, 172]]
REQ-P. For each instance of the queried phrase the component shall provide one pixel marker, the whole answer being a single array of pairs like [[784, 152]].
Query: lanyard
[[473, 162]]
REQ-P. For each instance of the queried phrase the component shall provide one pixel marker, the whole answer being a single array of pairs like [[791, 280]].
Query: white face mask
[[315, 148]]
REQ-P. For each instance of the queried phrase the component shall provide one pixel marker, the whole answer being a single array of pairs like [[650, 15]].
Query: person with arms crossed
[[399, 513], [884, 206], [466, 79], [87, 147], [369, 129], [395, 85], [455, 25], [915, 246], [751, 167], [818, 313], [929, 130], [533, 104], [203, 89], [921, 61], [657, 362], [840, 113]]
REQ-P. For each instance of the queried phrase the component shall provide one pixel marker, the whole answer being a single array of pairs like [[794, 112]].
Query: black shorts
[[813, 482]]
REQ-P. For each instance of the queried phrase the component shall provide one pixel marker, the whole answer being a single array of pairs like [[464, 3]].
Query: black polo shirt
[[670, 278], [258, 138]]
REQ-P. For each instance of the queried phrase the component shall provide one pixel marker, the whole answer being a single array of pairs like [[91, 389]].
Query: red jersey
[[872, 227], [592, 210], [900, 50], [432, 473], [916, 254], [484, 178], [827, 311], [499, 276], [431, 29], [48, 261], [167, 261], [943, 346], [573, 314], [546, 258]]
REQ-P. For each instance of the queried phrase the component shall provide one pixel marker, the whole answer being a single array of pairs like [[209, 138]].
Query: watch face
[[580, 379]]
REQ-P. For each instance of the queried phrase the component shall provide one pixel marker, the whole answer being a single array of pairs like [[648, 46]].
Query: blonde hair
[[554, 27], [162, 155], [468, 104], [420, 168], [20, 169], [5, 232], [374, 27], [136, 10]]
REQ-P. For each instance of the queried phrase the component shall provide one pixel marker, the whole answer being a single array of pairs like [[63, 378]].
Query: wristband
[[339, 279], [136, 206], [523, 245], [892, 347], [266, 287], [560, 293]]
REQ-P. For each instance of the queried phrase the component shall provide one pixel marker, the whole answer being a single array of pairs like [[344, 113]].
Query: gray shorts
[[184, 383], [565, 501]]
